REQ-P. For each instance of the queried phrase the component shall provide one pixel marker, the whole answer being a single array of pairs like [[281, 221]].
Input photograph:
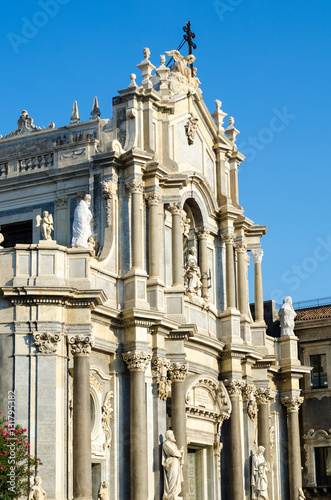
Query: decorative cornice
[[46, 342], [292, 403], [262, 395], [137, 361], [175, 208], [178, 372], [160, 368], [80, 344], [234, 386], [68, 297], [153, 198]]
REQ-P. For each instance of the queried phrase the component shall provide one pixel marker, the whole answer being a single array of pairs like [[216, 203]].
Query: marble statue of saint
[[287, 315], [103, 491], [47, 225], [172, 462], [81, 228], [192, 276], [36, 491], [260, 468]]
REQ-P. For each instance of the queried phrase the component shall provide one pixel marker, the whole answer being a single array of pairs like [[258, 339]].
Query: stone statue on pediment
[[287, 315], [81, 228], [172, 462], [46, 224]]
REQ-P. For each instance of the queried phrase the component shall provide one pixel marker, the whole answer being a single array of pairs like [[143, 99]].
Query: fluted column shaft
[[258, 286], [82, 477], [230, 276], [242, 278], [136, 188], [293, 437], [177, 373], [236, 471], [137, 363], [153, 200], [177, 245], [203, 260]]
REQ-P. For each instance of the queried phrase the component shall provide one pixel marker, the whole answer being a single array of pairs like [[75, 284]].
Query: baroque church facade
[[147, 327]]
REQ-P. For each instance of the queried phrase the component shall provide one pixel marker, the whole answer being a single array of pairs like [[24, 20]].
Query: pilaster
[[177, 245]]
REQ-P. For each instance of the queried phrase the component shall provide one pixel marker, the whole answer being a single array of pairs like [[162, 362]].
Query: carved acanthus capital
[[202, 233], [160, 368], [292, 403], [80, 344], [241, 246], [153, 198], [178, 371], [262, 395], [135, 186], [46, 342], [175, 208], [257, 255], [137, 361], [228, 238], [234, 386], [248, 391], [61, 202]]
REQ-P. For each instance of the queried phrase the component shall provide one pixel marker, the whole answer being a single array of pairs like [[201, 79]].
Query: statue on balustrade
[[287, 315], [81, 228], [46, 225], [260, 468], [172, 462]]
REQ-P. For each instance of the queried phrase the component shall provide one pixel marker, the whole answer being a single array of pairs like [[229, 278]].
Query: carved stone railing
[[3, 169], [36, 162]]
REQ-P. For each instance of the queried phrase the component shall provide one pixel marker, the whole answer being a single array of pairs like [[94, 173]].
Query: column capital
[[135, 185], [241, 246], [248, 391], [46, 342], [175, 208], [137, 361], [178, 372], [202, 233], [234, 386], [292, 403], [61, 202], [257, 254], [80, 344], [160, 368], [262, 395], [153, 198], [228, 238]]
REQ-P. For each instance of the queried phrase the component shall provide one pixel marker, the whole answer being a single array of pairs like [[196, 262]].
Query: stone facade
[[105, 346]]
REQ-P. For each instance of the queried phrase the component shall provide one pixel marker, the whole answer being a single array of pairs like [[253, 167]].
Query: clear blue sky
[[263, 59]]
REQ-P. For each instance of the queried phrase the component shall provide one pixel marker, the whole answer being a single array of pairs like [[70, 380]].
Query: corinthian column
[[242, 277], [177, 373], [82, 479], [177, 245], [259, 309], [236, 471], [136, 189], [203, 237], [137, 363], [262, 397], [230, 277], [153, 201], [292, 404]]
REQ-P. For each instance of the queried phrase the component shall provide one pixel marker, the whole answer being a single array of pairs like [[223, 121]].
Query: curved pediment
[[206, 397]]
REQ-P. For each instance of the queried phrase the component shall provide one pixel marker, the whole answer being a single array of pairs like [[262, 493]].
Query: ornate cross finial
[[188, 37]]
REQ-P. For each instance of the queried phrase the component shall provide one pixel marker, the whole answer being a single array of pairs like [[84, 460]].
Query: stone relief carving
[[46, 342], [106, 191], [249, 395], [180, 78], [81, 228], [207, 397], [72, 154], [190, 128], [160, 368], [287, 315], [46, 224], [103, 491], [36, 491], [172, 462], [137, 360], [94, 382], [80, 344], [106, 417], [260, 468]]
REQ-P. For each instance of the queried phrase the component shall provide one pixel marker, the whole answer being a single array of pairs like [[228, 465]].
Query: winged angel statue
[[181, 67]]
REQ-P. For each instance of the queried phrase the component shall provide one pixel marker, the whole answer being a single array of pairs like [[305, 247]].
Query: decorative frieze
[[46, 342], [80, 344], [178, 372], [137, 361], [292, 403], [160, 368]]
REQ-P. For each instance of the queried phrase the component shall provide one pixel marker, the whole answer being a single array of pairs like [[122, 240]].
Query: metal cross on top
[[188, 37]]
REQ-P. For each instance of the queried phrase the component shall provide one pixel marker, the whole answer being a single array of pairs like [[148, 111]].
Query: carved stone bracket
[[46, 342], [137, 361], [107, 195], [178, 372], [234, 387], [160, 368], [292, 403], [80, 344], [153, 198], [106, 417], [135, 186], [262, 395]]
